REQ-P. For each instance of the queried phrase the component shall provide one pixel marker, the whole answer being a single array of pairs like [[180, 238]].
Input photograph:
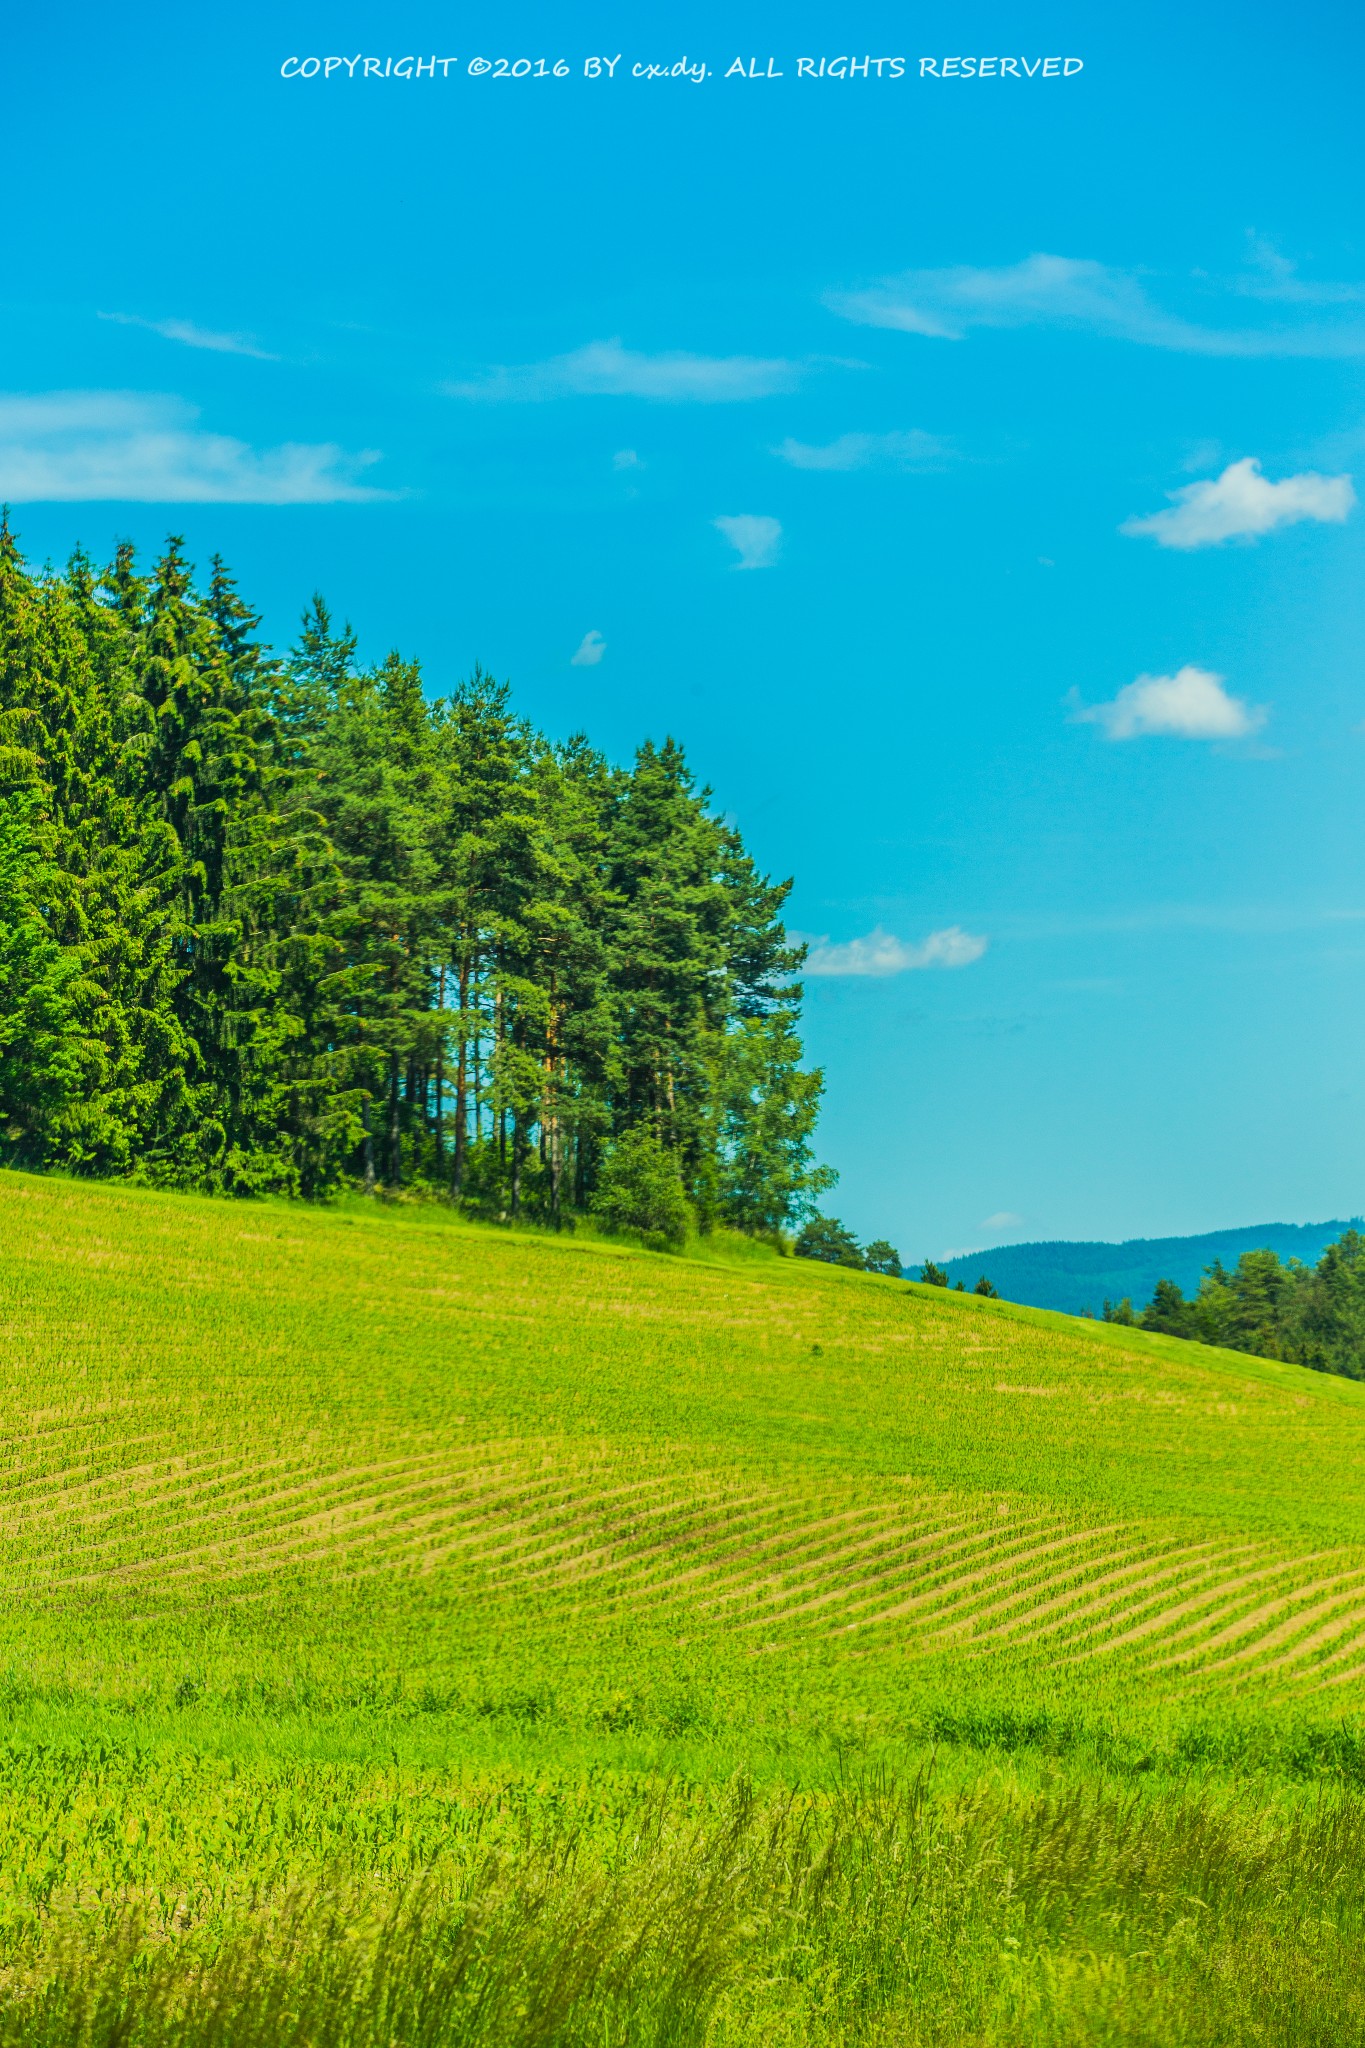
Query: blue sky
[[959, 466]]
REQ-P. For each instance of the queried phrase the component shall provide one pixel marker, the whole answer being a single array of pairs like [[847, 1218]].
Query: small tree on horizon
[[932, 1275], [1168, 1311], [831, 1242], [881, 1257]]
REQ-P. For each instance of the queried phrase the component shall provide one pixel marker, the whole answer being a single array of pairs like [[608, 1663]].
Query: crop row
[[774, 1559]]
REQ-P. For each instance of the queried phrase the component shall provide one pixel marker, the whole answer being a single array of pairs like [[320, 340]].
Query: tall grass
[[886, 1914]]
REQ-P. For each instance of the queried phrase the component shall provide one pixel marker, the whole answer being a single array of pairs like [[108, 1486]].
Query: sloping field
[[370, 1549], [206, 1407]]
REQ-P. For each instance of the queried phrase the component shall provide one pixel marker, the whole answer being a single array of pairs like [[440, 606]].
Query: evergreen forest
[[1272, 1308], [289, 924]]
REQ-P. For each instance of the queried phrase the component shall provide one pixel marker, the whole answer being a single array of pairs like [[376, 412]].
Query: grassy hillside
[[1079, 1277], [347, 1551]]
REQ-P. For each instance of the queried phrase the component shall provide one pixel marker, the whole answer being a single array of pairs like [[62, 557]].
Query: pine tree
[[274, 926], [831, 1242], [881, 1257]]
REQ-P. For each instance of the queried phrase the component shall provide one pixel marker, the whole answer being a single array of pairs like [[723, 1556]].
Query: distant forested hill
[[1080, 1277]]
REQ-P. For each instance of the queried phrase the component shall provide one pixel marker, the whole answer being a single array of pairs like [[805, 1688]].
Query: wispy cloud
[[626, 458], [1077, 293], [607, 369], [1190, 705], [1272, 275], [1003, 1219], [912, 449], [146, 448], [1241, 504], [881, 953], [591, 648], [755, 538], [196, 337]]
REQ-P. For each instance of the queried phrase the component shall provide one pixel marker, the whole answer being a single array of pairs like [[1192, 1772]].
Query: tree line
[[831, 1242], [288, 924], [1307, 1315]]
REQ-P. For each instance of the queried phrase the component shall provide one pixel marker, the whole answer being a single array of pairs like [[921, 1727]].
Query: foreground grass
[[887, 1914], [414, 1633]]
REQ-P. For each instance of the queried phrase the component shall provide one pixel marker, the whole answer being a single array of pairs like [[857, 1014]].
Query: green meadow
[[416, 1632]]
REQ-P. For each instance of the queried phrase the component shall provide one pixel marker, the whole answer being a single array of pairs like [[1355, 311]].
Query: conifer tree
[[281, 925]]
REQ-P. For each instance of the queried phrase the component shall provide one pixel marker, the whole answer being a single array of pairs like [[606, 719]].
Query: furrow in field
[[941, 1542], [56, 1497], [1049, 1581], [742, 1541], [1025, 1579], [532, 1533], [1231, 1622], [1115, 1606], [994, 1570], [522, 1513], [724, 1567], [1299, 1619], [34, 1494], [1196, 1604], [214, 1487], [578, 1558], [924, 1582], [622, 1550], [792, 1572], [1111, 1586], [233, 1498], [259, 1543], [1351, 1624], [224, 1525], [1344, 1654]]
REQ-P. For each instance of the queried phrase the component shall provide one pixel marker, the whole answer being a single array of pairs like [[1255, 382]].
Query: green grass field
[[415, 1633]]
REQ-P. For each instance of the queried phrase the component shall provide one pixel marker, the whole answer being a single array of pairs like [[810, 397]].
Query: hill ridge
[[1076, 1275]]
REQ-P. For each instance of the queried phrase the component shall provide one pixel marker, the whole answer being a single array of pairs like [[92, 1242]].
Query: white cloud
[[1273, 276], [1190, 705], [145, 448], [606, 369], [1065, 291], [1041, 291], [626, 458], [880, 953], [1003, 1219], [591, 648], [196, 337], [1241, 504], [865, 451], [755, 538]]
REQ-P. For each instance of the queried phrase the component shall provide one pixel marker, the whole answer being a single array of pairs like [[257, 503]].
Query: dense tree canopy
[[285, 924], [1310, 1315]]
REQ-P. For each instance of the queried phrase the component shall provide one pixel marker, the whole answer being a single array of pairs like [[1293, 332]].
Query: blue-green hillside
[[1079, 1277]]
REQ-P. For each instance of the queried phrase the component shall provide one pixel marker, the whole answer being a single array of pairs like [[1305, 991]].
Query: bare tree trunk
[[556, 1163], [461, 1084], [550, 1124], [395, 1126], [438, 1121], [497, 1041], [478, 1062]]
